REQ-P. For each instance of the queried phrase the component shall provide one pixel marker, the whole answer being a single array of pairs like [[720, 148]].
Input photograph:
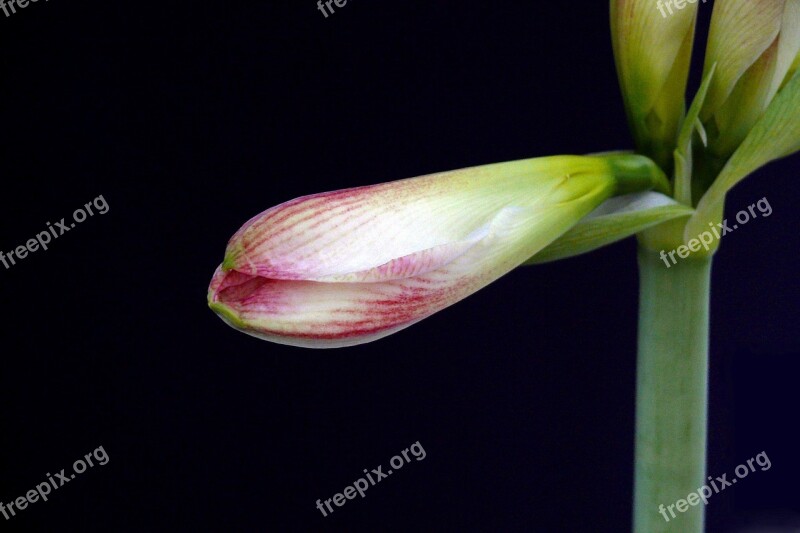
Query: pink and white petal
[[327, 315], [305, 313], [356, 230]]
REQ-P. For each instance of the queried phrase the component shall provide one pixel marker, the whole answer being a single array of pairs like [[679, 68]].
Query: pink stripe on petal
[[408, 266], [330, 311]]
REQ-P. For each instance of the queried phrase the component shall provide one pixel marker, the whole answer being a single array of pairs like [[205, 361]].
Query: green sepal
[[616, 219], [683, 152]]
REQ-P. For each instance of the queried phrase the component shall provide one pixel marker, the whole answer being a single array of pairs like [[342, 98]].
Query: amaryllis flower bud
[[653, 43], [753, 45], [351, 266]]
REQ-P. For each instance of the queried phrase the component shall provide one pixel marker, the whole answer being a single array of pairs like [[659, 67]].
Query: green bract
[[615, 219]]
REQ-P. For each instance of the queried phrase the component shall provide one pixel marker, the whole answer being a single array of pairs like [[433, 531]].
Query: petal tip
[[226, 314]]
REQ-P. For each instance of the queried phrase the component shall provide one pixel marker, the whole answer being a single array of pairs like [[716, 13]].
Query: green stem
[[672, 392]]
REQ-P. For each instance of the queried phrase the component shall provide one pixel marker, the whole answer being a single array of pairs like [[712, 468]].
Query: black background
[[191, 117]]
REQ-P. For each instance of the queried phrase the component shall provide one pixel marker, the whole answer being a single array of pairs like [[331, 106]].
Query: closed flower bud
[[351, 266], [754, 44], [653, 47]]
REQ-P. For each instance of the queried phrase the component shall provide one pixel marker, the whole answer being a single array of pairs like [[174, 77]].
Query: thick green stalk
[[672, 393]]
